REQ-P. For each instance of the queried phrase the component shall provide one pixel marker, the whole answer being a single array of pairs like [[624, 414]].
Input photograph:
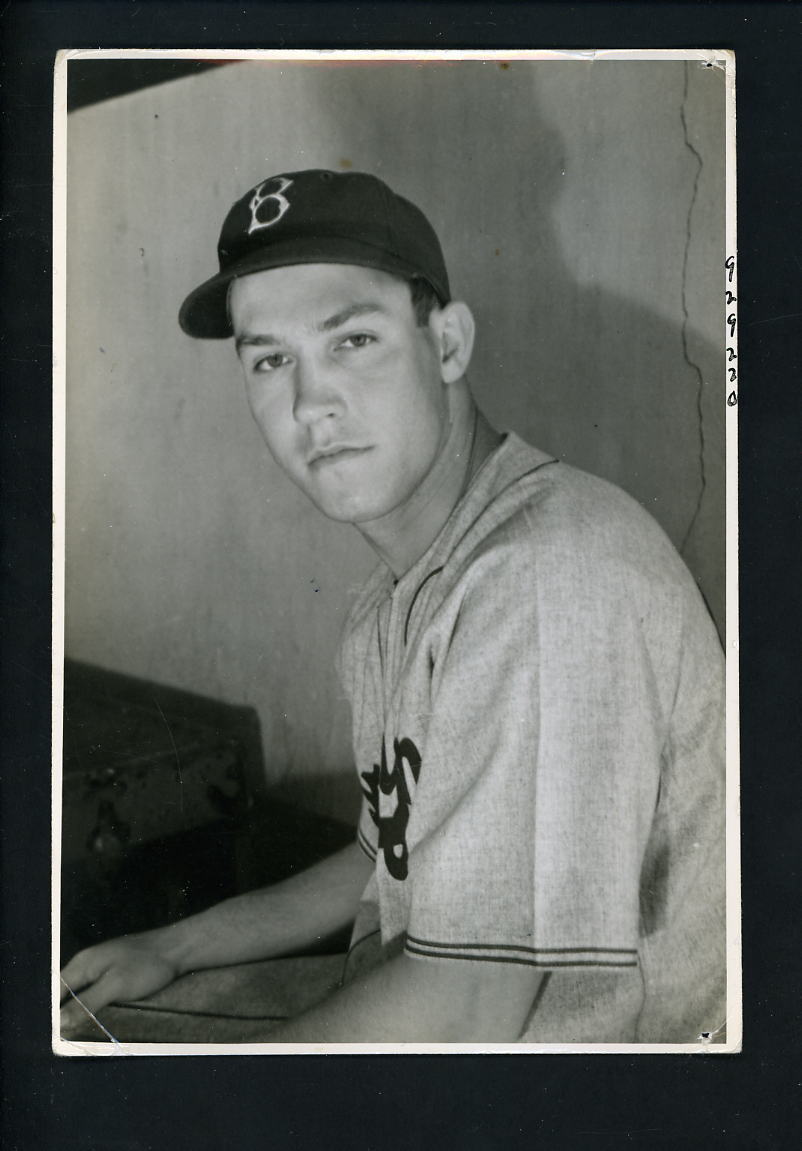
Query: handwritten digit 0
[[732, 399]]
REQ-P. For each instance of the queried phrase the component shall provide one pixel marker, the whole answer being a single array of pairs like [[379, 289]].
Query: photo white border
[[718, 58]]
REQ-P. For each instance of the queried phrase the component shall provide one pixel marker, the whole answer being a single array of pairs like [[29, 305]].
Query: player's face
[[345, 386]]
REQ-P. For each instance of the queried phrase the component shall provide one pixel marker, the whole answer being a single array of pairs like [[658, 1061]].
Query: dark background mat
[[744, 1101]]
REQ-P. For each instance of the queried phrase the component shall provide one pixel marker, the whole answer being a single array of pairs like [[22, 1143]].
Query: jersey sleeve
[[366, 835], [553, 669]]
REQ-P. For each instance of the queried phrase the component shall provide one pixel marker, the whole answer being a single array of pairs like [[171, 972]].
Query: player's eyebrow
[[254, 340], [266, 340], [349, 313]]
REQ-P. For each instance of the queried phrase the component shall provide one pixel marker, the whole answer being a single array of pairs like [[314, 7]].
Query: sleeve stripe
[[537, 957], [520, 947], [368, 848], [527, 961]]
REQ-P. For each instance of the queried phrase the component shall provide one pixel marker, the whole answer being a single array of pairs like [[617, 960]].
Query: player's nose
[[318, 390]]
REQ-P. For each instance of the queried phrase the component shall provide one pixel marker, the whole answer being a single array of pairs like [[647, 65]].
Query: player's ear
[[454, 329]]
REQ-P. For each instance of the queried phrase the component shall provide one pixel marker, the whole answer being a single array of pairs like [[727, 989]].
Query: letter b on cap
[[260, 198]]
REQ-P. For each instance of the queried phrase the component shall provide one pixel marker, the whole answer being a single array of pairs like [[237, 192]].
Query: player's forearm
[[423, 1001], [278, 920]]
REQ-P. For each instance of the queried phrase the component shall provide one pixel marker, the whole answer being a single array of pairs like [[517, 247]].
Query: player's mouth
[[335, 454]]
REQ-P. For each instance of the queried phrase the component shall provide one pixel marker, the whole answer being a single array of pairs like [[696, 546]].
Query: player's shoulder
[[539, 508]]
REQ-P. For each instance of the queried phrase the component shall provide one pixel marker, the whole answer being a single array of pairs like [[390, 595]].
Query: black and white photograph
[[395, 636]]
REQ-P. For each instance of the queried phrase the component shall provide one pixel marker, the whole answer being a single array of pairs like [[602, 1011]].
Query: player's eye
[[357, 340], [270, 362]]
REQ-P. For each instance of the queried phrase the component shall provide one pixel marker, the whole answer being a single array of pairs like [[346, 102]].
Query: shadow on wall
[[619, 389], [579, 368]]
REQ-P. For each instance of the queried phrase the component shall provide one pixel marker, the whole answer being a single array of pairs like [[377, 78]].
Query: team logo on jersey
[[266, 217], [389, 794]]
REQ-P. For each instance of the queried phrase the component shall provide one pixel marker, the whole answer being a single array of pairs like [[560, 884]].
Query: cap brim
[[204, 313]]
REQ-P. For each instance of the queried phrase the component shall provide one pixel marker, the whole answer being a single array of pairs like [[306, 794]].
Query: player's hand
[[119, 970]]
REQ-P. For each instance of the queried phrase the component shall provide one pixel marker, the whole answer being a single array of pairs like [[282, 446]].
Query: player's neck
[[401, 537]]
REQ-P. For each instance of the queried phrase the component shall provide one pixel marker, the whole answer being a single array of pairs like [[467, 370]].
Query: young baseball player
[[535, 683]]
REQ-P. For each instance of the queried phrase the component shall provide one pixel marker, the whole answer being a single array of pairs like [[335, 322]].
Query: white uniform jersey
[[538, 730]]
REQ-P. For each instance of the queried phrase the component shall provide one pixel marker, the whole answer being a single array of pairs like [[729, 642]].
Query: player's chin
[[347, 499], [352, 502], [349, 508]]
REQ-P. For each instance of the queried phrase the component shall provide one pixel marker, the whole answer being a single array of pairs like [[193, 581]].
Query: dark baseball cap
[[315, 217]]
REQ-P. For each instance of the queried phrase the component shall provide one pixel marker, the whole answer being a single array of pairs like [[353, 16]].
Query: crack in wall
[[700, 384]]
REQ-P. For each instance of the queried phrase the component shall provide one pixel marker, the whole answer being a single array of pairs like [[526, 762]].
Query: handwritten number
[[732, 322]]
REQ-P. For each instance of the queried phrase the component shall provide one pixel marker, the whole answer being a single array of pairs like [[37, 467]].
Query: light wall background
[[580, 206]]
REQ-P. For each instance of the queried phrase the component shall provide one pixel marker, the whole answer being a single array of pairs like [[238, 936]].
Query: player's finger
[[84, 968], [71, 1017], [71, 981], [90, 1001], [104, 991]]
